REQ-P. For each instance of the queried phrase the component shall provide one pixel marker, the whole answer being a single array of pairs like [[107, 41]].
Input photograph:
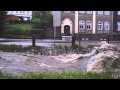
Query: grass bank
[[63, 75]]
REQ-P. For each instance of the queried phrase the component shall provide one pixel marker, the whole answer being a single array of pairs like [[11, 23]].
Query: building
[[116, 22], [90, 22], [15, 16]]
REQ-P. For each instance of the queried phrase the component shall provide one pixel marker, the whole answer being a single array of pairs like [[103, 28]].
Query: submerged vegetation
[[45, 50]]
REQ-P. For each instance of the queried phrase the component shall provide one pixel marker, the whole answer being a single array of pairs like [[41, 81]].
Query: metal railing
[[94, 39]]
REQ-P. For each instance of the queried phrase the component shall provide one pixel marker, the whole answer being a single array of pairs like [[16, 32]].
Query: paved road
[[37, 40], [28, 42]]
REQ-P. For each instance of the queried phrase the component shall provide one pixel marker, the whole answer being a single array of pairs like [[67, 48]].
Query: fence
[[82, 39], [95, 39]]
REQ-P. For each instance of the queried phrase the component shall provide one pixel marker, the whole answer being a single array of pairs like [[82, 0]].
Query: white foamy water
[[44, 65], [95, 58], [1, 67], [66, 58], [95, 62], [72, 57]]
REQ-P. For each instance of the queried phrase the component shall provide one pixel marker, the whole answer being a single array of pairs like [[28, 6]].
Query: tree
[[2, 20], [42, 18]]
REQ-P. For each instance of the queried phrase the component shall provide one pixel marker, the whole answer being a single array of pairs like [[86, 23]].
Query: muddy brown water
[[21, 63]]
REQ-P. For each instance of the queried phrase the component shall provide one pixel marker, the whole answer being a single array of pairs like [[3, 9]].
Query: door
[[67, 30]]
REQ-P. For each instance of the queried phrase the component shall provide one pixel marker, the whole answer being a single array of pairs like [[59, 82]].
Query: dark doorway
[[67, 30]]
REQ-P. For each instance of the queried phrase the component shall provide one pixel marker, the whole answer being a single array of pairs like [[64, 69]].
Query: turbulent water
[[100, 59], [21, 63], [97, 59], [107, 57]]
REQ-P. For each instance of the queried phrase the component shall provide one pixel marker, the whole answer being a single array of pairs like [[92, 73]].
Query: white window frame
[[89, 24], [27, 12], [82, 12], [118, 26], [89, 12], [100, 12], [82, 24], [107, 12], [66, 11], [106, 25], [99, 25], [118, 12]]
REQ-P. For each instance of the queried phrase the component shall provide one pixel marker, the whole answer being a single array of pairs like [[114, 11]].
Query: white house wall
[[25, 14]]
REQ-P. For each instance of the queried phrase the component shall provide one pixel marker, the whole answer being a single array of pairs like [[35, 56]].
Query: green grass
[[18, 27], [63, 75]]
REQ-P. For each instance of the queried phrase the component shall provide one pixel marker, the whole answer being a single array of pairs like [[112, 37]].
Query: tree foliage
[[2, 20], [43, 18], [2, 16]]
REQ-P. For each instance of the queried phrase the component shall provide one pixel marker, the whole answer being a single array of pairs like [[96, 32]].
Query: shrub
[[18, 27], [10, 48], [18, 30]]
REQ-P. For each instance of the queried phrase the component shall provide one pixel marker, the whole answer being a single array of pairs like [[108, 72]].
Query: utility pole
[[56, 21], [76, 25], [54, 34]]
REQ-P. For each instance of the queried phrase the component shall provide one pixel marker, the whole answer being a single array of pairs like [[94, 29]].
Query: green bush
[[18, 48], [36, 21], [74, 46]]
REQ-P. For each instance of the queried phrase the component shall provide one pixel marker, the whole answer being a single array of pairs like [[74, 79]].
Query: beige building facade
[[87, 22]]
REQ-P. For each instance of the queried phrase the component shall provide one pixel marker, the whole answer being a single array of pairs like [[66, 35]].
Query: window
[[16, 11], [23, 11], [100, 12], [106, 25], [82, 12], [81, 25], [89, 12], [88, 25], [66, 11], [27, 12], [107, 12], [118, 12], [20, 11], [100, 25], [118, 24]]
